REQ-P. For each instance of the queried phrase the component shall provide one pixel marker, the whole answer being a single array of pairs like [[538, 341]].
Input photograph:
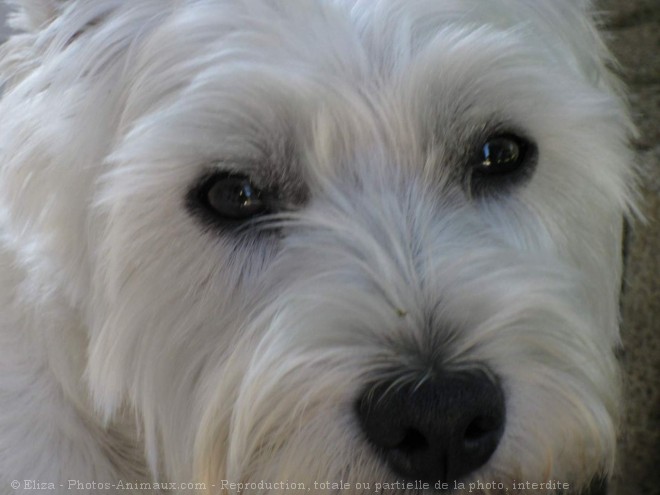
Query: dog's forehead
[[285, 89], [341, 33], [349, 39], [405, 68]]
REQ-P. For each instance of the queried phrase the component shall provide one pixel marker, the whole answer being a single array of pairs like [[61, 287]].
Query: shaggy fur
[[142, 341]]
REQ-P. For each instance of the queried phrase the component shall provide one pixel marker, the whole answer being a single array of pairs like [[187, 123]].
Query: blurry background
[[633, 27], [634, 37]]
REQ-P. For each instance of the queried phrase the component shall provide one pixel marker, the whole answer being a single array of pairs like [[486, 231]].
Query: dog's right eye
[[229, 197]]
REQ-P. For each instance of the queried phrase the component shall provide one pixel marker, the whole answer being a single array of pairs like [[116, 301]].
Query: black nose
[[439, 430]]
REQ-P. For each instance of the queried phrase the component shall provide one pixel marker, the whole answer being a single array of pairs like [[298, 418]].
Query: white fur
[[138, 345]]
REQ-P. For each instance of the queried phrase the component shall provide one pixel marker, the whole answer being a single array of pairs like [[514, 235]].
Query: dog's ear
[[577, 25], [30, 15]]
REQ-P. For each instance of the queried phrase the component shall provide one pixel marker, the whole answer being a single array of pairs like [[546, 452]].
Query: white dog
[[341, 246]]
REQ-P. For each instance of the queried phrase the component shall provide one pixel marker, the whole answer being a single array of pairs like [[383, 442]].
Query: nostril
[[480, 428], [413, 441]]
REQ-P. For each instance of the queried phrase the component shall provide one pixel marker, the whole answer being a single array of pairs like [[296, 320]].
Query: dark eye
[[501, 155], [228, 197], [500, 161], [234, 197]]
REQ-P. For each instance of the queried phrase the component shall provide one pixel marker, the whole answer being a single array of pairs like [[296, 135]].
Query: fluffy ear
[[30, 15], [574, 24]]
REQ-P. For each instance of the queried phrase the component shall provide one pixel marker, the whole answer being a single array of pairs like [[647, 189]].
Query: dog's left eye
[[501, 155], [501, 161]]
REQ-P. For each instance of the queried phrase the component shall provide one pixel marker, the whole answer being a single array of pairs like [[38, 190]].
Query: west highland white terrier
[[333, 246]]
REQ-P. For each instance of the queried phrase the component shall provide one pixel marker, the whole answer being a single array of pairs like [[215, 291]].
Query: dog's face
[[346, 240]]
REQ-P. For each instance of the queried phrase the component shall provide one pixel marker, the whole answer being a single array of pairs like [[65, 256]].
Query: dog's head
[[328, 240]]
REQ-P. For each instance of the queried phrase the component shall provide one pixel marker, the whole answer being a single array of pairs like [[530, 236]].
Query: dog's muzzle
[[439, 430]]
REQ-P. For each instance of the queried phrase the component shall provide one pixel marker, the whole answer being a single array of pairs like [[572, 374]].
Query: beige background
[[634, 29]]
